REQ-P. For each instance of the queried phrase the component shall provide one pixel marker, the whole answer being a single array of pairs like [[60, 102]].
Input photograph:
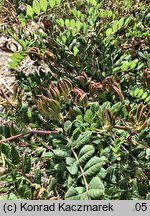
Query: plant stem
[[28, 132], [76, 157]]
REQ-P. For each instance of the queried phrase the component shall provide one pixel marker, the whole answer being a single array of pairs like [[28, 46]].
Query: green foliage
[[15, 59], [39, 6], [81, 129], [141, 95], [26, 164]]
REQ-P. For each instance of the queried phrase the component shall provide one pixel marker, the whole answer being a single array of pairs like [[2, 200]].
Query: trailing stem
[[76, 157]]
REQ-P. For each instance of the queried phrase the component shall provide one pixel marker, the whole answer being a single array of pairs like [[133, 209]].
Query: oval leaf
[[52, 3], [37, 177], [108, 32], [14, 155], [86, 153], [29, 11], [88, 117], [82, 139], [26, 163], [43, 4], [73, 169], [96, 188], [73, 194], [36, 7], [75, 50], [93, 166]]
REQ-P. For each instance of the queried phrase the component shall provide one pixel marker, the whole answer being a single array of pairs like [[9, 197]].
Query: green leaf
[[52, 3], [111, 173], [43, 4], [61, 167], [125, 65], [92, 2], [94, 106], [26, 165], [116, 107], [22, 19], [109, 31], [79, 118], [67, 23], [15, 59], [144, 95], [76, 132], [61, 22], [74, 12], [82, 139], [128, 3], [147, 99], [88, 117], [22, 190], [115, 25], [29, 115], [76, 111], [127, 21], [70, 181], [86, 153], [37, 177], [58, 2], [102, 174], [24, 44], [72, 23], [142, 55], [14, 155], [29, 11], [10, 196], [133, 63], [140, 65], [47, 154], [78, 24], [75, 50], [85, 27], [140, 92], [73, 168], [36, 7], [121, 23], [64, 38], [93, 166], [73, 194], [147, 154], [5, 148], [52, 184], [70, 160], [135, 185], [106, 105], [96, 188], [62, 151], [136, 91], [28, 193]]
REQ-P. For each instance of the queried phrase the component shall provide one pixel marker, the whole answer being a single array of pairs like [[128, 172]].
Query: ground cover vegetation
[[80, 130]]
